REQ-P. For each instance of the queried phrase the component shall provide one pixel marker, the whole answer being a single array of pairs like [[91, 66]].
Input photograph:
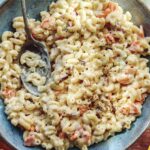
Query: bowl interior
[[119, 142]]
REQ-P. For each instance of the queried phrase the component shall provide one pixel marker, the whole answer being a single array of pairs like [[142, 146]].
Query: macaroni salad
[[33, 61], [99, 78]]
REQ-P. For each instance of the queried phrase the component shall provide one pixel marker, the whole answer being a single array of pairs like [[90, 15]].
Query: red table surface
[[141, 144]]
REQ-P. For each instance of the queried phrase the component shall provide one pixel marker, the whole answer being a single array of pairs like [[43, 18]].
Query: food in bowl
[[99, 78]]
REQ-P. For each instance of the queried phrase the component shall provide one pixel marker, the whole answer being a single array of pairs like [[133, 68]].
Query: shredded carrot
[[83, 109], [36, 36], [62, 135], [59, 37], [110, 8], [135, 110], [32, 128], [135, 43], [45, 23], [142, 99], [109, 38], [29, 141], [125, 110], [74, 136], [141, 34], [135, 47], [9, 93], [130, 110], [48, 22], [81, 133]]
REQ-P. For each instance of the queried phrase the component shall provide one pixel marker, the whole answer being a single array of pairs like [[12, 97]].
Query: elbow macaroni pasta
[[98, 83]]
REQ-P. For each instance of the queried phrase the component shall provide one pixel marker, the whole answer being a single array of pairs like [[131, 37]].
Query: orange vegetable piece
[[9, 93], [83, 109], [110, 8], [32, 128], [109, 38], [62, 135], [74, 136], [45, 23], [125, 110], [142, 99], [29, 141]]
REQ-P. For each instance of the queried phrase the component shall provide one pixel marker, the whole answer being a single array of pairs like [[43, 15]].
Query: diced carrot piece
[[130, 110], [135, 43], [135, 110], [110, 8], [142, 99], [141, 34], [109, 38], [125, 79], [74, 136], [48, 22], [59, 37], [62, 135], [135, 47], [107, 12], [9, 93], [29, 141], [125, 110], [32, 128], [45, 24], [83, 109]]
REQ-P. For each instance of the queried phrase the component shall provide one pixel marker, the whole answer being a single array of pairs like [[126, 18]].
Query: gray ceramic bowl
[[119, 142]]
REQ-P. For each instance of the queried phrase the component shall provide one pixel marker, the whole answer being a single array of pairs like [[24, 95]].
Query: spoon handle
[[27, 29]]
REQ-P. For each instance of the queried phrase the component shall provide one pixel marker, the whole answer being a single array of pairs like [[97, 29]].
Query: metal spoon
[[36, 47]]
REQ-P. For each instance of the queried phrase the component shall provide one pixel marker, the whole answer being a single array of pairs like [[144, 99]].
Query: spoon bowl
[[118, 142], [36, 47]]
